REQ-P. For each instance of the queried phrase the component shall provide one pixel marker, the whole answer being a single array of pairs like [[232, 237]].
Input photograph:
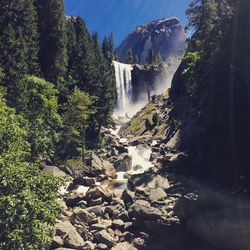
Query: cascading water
[[123, 87]]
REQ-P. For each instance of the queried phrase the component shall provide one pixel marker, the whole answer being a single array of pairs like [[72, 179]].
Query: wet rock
[[125, 164], [138, 167], [157, 194], [105, 238], [138, 242], [109, 169]]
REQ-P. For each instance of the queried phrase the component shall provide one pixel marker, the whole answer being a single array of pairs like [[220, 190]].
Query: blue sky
[[122, 16]]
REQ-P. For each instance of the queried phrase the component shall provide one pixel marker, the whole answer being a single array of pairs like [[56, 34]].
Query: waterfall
[[123, 86]]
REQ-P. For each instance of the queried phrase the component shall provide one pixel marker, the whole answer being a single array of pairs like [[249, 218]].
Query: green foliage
[[37, 103], [52, 40], [13, 133], [130, 57], [77, 112], [28, 207]]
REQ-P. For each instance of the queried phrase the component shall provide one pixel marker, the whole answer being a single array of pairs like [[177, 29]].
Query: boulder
[[124, 164], [95, 202], [123, 246], [96, 165], [81, 215], [85, 181], [99, 192], [103, 224], [74, 199], [150, 180], [157, 194], [71, 237], [105, 238], [97, 210], [109, 169], [142, 210], [55, 171], [57, 242], [89, 246], [226, 228], [102, 247], [128, 196], [118, 224]]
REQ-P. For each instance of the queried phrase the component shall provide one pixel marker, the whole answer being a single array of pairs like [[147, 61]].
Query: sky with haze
[[121, 16]]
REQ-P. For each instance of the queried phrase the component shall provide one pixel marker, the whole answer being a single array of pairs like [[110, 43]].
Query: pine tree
[[18, 41], [130, 57], [52, 40]]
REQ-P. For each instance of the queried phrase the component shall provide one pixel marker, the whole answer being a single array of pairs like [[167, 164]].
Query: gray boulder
[[55, 171], [226, 228], [105, 238], [157, 194]]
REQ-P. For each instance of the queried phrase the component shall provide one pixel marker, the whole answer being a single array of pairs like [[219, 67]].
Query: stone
[[150, 180], [128, 236], [157, 194], [97, 210], [96, 165], [102, 247], [89, 246], [142, 210], [71, 237], [55, 171], [118, 224], [103, 224], [226, 228], [81, 215], [95, 202], [99, 192], [57, 242], [125, 164], [105, 238], [138, 167], [74, 199], [128, 196], [85, 181], [74, 240], [109, 170], [123, 246]]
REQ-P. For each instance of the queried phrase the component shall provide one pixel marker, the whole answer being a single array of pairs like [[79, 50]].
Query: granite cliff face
[[165, 36]]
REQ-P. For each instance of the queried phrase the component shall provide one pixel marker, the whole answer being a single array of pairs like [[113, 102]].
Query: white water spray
[[123, 86]]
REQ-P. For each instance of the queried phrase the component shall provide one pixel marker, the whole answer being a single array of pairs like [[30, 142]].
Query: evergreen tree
[[52, 40], [18, 42], [78, 111], [130, 57]]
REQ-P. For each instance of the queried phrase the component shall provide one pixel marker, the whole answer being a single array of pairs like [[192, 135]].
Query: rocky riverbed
[[121, 204]]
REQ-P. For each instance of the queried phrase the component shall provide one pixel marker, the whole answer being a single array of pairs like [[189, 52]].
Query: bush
[[28, 207]]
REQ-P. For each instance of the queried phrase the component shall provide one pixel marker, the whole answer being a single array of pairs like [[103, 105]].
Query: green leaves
[[37, 102]]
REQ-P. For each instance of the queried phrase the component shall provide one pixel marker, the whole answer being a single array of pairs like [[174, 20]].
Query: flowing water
[[123, 86]]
